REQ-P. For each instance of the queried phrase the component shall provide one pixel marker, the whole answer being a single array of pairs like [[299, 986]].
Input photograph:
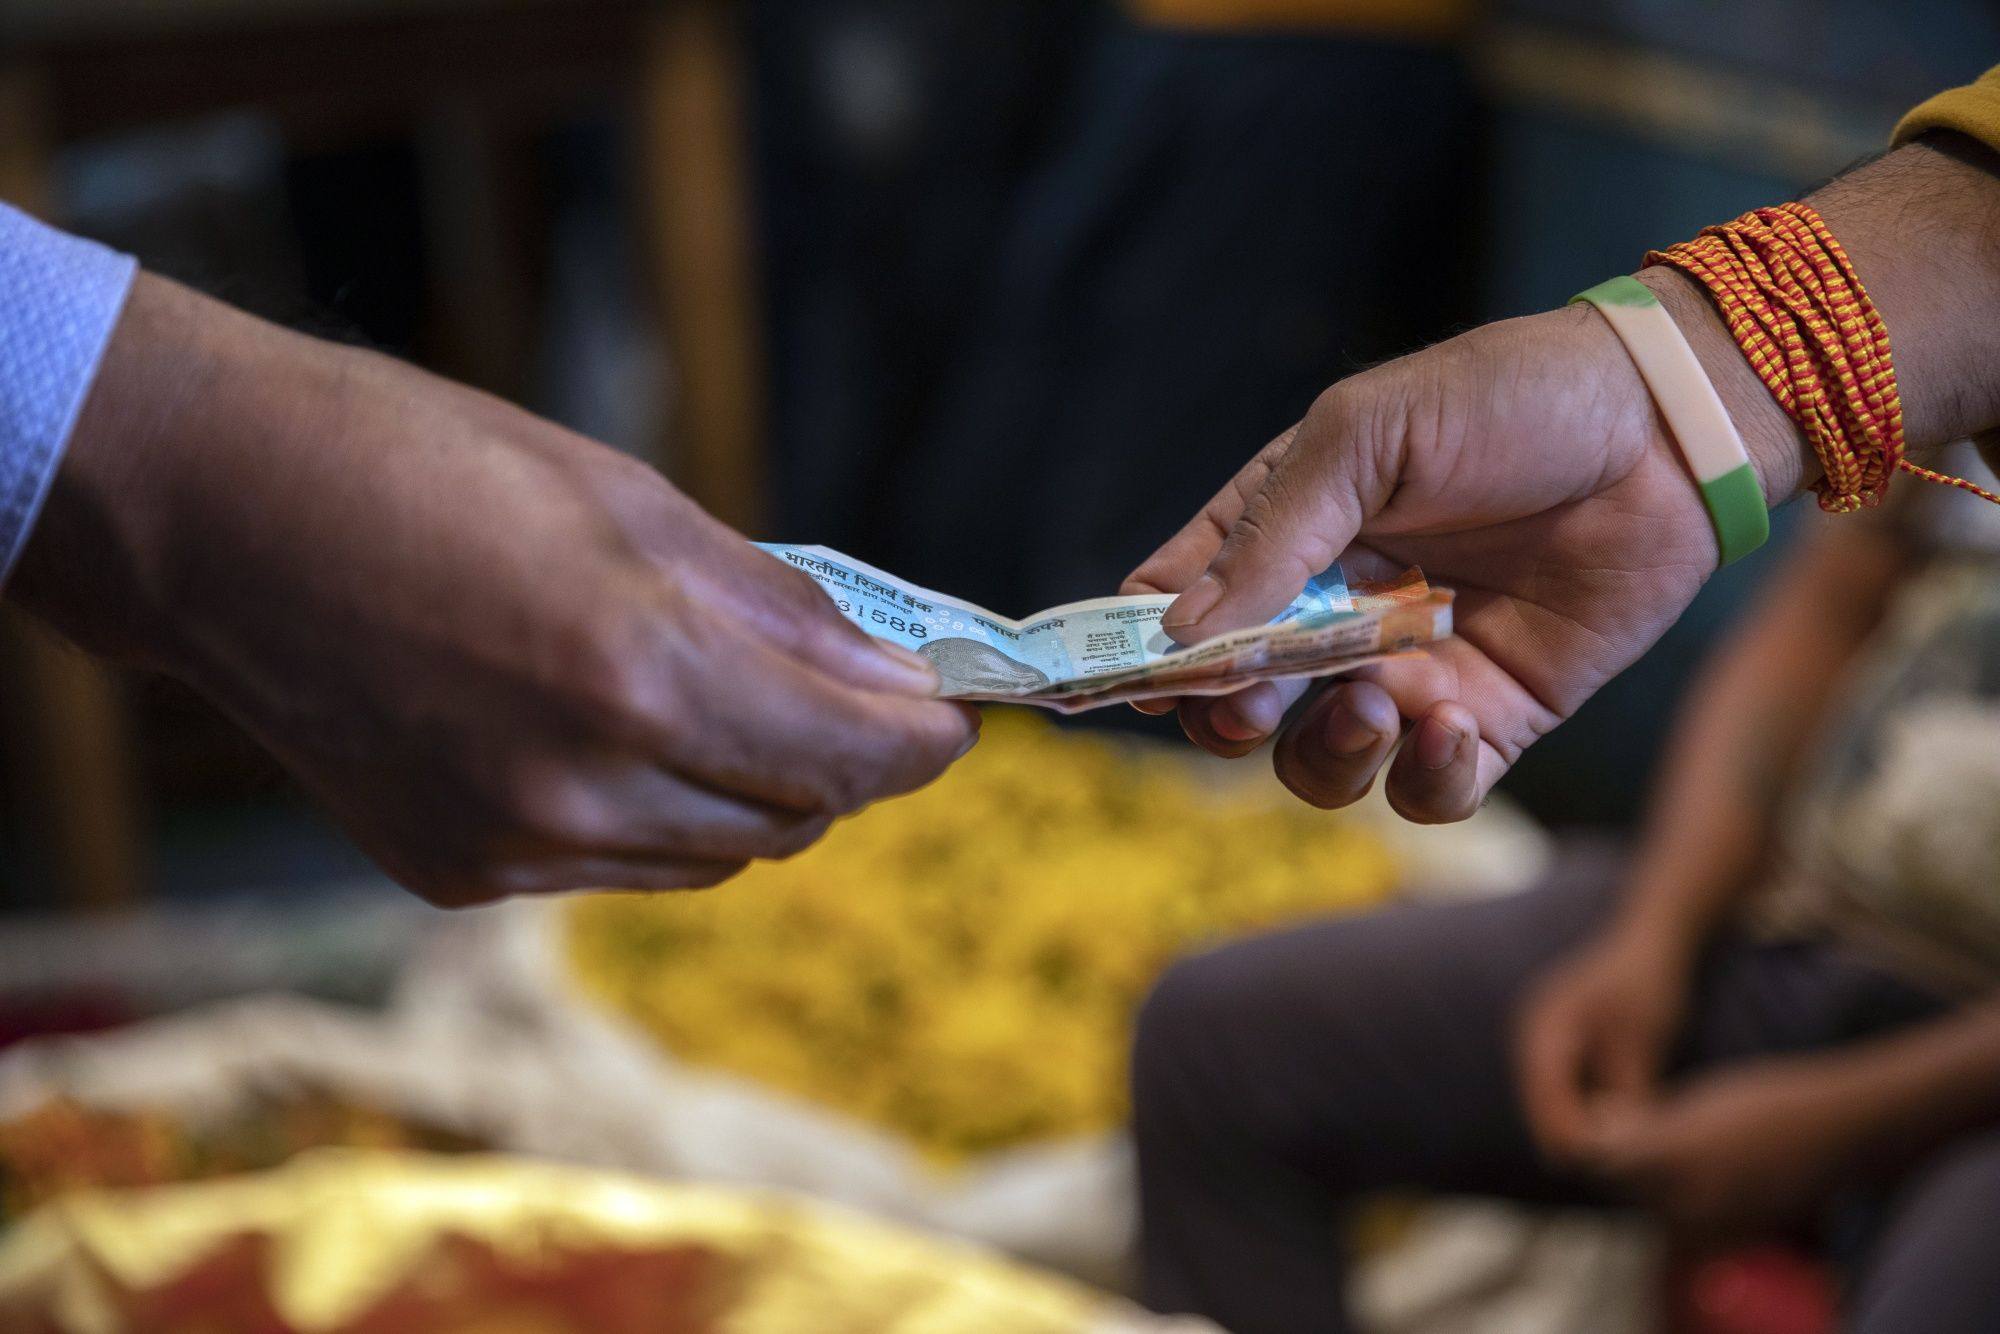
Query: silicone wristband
[[1695, 416]]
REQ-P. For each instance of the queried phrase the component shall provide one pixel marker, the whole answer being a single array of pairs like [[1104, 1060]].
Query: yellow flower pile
[[962, 965]]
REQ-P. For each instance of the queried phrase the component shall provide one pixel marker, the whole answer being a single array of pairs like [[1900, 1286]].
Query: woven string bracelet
[[1791, 299]]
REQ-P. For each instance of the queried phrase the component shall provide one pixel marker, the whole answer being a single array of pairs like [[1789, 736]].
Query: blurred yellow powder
[[961, 966]]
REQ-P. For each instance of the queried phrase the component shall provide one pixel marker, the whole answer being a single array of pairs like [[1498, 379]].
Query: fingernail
[[1194, 604], [1437, 744], [1348, 733], [1251, 715], [885, 666]]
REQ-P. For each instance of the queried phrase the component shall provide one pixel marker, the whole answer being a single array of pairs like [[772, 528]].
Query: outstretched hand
[[1522, 464], [508, 659]]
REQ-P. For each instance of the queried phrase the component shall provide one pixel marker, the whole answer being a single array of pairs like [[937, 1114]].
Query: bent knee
[[1212, 1017]]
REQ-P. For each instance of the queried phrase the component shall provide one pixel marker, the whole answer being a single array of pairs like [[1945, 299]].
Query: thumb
[[787, 608], [829, 641], [1305, 512]]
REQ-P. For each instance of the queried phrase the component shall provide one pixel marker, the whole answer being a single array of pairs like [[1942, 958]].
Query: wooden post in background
[[694, 139], [66, 717]]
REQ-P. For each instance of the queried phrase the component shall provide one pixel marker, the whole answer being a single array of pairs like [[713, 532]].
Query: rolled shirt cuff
[[60, 298]]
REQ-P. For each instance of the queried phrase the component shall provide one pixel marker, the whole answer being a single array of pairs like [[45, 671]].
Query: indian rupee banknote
[[1084, 655]]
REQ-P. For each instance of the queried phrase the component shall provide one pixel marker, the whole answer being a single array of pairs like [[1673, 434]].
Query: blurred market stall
[[357, 1243], [926, 1016]]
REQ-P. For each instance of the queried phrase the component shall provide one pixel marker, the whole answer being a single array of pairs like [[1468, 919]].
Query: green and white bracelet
[[1695, 416]]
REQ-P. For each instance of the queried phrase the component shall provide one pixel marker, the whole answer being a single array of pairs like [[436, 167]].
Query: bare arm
[[1711, 824], [1592, 1035], [1523, 463], [1763, 1142], [506, 657]]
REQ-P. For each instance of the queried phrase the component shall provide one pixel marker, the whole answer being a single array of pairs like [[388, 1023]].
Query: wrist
[[1778, 451], [1915, 225], [102, 565], [1664, 925], [1938, 1079]]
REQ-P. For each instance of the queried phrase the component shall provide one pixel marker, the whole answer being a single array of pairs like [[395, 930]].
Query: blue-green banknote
[[1086, 654]]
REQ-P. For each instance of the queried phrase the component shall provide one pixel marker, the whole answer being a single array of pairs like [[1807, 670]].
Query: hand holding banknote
[[1522, 464], [506, 658]]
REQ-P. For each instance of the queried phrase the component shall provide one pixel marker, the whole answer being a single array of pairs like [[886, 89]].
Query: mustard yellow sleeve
[[1972, 110]]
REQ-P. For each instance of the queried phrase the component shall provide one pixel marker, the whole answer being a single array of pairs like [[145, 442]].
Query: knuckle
[[803, 592], [1334, 418], [547, 803], [844, 786], [1266, 534], [606, 670], [1337, 402]]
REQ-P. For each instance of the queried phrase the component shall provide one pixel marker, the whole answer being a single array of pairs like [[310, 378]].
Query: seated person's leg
[[1937, 1267], [1276, 1078]]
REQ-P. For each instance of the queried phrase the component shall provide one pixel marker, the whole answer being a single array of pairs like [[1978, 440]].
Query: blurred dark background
[[991, 294]]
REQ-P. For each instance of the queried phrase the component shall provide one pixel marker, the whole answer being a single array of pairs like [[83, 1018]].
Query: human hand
[[1746, 1148], [1522, 464], [1592, 1035], [508, 659]]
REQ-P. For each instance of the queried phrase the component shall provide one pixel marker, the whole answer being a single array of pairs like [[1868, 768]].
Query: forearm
[[1922, 227], [1895, 1097], [1753, 712]]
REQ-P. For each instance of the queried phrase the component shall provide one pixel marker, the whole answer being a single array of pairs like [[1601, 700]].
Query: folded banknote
[[1084, 655]]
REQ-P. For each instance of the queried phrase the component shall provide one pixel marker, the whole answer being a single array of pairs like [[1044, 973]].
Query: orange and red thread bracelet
[[1792, 301]]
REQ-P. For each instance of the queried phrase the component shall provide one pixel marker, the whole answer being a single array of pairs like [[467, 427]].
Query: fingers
[[753, 722], [1253, 714], [1187, 553], [557, 875], [1447, 698], [1637, 1146], [791, 611], [1234, 725], [1329, 756], [1331, 753], [1435, 776], [1624, 1142], [1304, 513], [556, 872], [1551, 1047], [644, 813]]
